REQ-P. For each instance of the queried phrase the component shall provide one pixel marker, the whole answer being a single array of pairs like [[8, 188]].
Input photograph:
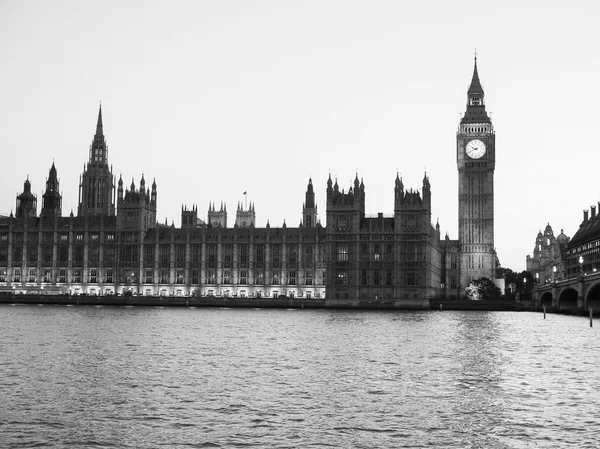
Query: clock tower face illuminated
[[476, 159], [475, 149]]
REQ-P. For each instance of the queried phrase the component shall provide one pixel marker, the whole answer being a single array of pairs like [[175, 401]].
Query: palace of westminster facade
[[114, 244]]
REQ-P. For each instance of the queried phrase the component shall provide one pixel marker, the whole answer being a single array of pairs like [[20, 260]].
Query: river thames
[[181, 378]]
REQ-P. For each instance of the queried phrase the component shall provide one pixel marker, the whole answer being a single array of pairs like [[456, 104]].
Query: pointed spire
[[99, 128], [475, 87]]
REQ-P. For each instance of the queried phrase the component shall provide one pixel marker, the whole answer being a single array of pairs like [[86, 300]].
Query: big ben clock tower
[[476, 159]]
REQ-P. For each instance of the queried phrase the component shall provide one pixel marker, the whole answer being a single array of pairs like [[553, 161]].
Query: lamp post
[[537, 278], [581, 265], [554, 274]]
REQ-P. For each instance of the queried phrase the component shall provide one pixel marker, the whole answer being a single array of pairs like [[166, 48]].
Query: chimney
[[593, 211], [585, 215]]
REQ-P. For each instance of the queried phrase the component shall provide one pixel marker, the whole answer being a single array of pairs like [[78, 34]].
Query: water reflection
[[141, 377]]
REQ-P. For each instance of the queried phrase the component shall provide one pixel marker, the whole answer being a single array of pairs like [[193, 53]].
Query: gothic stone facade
[[114, 245]]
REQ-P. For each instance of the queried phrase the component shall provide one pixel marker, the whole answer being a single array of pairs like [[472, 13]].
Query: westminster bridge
[[575, 294]]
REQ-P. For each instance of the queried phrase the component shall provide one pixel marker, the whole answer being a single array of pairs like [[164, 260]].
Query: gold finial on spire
[[475, 54]]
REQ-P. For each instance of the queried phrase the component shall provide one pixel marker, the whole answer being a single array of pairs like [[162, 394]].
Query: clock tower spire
[[476, 160]]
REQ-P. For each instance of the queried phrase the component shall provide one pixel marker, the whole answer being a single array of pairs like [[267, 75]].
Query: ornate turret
[[26, 202], [426, 190], [136, 210], [52, 199], [309, 209], [96, 189], [120, 189], [153, 193], [217, 218], [245, 218]]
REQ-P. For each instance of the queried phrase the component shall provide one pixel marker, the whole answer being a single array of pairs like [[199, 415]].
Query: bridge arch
[[546, 300], [567, 299], [592, 297]]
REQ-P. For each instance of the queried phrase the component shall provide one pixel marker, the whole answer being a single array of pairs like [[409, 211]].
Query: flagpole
[[245, 200]]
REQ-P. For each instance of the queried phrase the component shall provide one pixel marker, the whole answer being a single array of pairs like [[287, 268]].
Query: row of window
[[378, 277], [377, 252], [48, 238], [163, 276]]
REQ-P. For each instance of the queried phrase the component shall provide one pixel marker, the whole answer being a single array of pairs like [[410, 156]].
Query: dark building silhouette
[[115, 245]]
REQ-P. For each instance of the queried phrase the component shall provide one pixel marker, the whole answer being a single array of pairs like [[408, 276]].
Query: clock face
[[475, 149]]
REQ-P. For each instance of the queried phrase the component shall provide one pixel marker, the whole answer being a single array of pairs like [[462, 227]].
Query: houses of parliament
[[114, 245]]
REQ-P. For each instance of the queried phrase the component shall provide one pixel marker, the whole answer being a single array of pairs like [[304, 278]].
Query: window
[[165, 251], [2, 274], [48, 253], [17, 275], [342, 252], [77, 275], [94, 255], [309, 278], [341, 278], [109, 276], [308, 254], [149, 276], [78, 254], [260, 254], [411, 278], [227, 255], [196, 254], [32, 275], [164, 276], [17, 254], [453, 262], [47, 275], [33, 253], [260, 278], [243, 277], [388, 277], [179, 273], [79, 238], [195, 276], [226, 276], [276, 275], [62, 275], [211, 277], [376, 277], [292, 254], [292, 277], [93, 276], [212, 254], [363, 277], [243, 254], [180, 254], [149, 254], [275, 253]]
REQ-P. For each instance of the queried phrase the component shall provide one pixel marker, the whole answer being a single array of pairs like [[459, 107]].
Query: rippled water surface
[[152, 377]]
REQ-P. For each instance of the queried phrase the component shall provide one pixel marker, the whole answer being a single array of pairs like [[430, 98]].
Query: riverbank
[[507, 304]]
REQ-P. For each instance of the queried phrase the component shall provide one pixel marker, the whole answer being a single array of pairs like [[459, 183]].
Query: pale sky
[[214, 98]]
